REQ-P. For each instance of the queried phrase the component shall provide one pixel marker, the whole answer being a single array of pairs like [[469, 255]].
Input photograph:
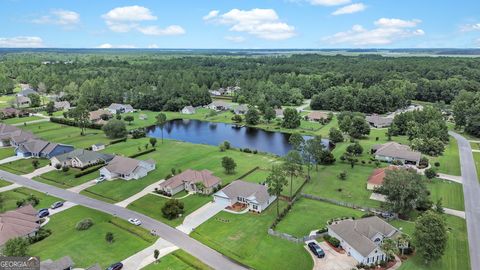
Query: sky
[[249, 24]]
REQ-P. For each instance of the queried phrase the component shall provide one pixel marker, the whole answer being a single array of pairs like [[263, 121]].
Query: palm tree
[[403, 242], [161, 120], [276, 181], [293, 166]]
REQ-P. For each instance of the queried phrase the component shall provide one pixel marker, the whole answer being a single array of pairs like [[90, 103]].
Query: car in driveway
[[115, 266], [56, 205], [99, 179], [43, 213], [135, 221], [316, 249]]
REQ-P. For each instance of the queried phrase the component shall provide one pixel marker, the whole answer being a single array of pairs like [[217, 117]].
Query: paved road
[[471, 191], [176, 237]]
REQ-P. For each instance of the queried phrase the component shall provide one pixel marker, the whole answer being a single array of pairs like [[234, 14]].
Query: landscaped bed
[[12, 196], [23, 166], [178, 260], [89, 247]]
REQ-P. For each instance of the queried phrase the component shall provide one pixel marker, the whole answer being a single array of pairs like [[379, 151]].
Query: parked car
[[99, 179], [43, 213], [316, 249], [115, 266], [56, 205], [135, 221]]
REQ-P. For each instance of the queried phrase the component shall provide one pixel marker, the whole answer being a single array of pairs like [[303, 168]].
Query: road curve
[[471, 191], [202, 252]]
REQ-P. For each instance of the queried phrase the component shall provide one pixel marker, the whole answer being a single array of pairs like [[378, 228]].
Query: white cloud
[[110, 46], [470, 27], [59, 17], [172, 30], [329, 2], [387, 31], [21, 42], [353, 8], [262, 23], [212, 14], [236, 39], [153, 46], [129, 13]]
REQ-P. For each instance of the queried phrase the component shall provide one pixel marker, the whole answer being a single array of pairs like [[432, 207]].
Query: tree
[[115, 129], [315, 147], [335, 135], [252, 117], [237, 118], [109, 237], [439, 206], [292, 165], [430, 236], [172, 209], [156, 254], [16, 247], [161, 120], [50, 108], [153, 141], [359, 128], [129, 119], [34, 100], [297, 141], [430, 173], [276, 181], [269, 114], [291, 118], [81, 115], [389, 247], [354, 149], [229, 164], [35, 163]]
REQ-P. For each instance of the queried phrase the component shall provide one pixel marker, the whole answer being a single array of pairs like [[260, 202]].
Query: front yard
[[6, 152], [476, 157], [23, 166], [11, 197], [17, 120], [450, 160], [67, 179], [450, 192], [178, 260]]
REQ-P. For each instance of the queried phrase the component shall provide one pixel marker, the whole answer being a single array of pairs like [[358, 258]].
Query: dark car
[[43, 213], [316, 249], [56, 205], [115, 266]]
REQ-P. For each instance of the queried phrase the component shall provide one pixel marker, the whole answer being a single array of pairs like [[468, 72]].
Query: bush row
[[89, 170], [117, 141], [142, 153], [70, 122]]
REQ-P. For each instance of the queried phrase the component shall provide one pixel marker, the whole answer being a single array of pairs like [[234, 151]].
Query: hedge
[[89, 170], [70, 122], [142, 153], [117, 141]]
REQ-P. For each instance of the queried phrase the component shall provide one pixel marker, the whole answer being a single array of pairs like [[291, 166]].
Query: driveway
[[471, 191], [83, 186], [204, 253], [452, 178], [9, 187], [145, 257], [140, 194], [66, 205], [39, 171], [10, 159], [332, 260], [201, 215]]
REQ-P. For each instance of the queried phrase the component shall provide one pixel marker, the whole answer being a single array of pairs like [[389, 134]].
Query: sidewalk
[[145, 257], [140, 194], [9, 187], [10, 159], [452, 178], [453, 212], [83, 186]]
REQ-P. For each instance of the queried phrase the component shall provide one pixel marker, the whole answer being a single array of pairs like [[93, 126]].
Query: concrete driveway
[[83, 186], [39, 171], [332, 260], [201, 215], [149, 189], [10, 159]]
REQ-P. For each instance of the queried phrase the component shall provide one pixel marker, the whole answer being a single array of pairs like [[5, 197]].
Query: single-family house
[[80, 158], [254, 196], [22, 101], [42, 149], [115, 108], [393, 151], [316, 116], [127, 168], [188, 110], [21, 222], [13, 136], [12, 112], [378, 121], [362, 238], [61, 105], [279, 113], [27, 91], [193, 181], [219, 105], [377, 177], [64, 263], [20, 137], [241, 109], [98, 147], [215, 93], [96, 116]]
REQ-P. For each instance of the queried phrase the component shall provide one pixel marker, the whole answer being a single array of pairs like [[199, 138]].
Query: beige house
[[21, 222], [317, 116], [80, 158], [393, 151], [127, 168], [254, 196], [378, 121], [193, 181], [96, 116]]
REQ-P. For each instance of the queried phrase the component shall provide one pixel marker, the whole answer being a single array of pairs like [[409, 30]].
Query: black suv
[[316, 249]]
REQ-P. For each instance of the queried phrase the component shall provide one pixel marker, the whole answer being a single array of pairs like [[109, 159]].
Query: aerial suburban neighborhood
[[266, 147]]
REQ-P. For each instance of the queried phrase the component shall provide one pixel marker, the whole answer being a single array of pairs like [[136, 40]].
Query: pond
[[202, 132]]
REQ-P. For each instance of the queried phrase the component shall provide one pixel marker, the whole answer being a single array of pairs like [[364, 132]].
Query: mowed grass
[[307, 215], [67, 179], [178, 260], [11, 197], [177, 155], [151, 205], [450, 160], [23, 166], [451, 193], [475, 145], [456, 256], [244, 238], [17, 120], [89, 247], [6, 152], [260, 175], [67, 134], [476, 157]]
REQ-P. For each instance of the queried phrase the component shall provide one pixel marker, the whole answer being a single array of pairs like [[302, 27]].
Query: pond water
[[202, 132]]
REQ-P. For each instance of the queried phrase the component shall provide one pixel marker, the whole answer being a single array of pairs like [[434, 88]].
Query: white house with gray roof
[[115, 108], [362, 238], [188, 110], [80, 158], [127, 168], [254, 196], [393, 151]]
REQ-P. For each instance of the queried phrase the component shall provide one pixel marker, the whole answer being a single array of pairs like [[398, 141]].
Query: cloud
[[261, 23], [236, 39], [21, 42], [59, 17], [153, 46], [353, 8], [386, 32], [212, 14], [329, 2], [110, 46], [470, 27], [172, 30]]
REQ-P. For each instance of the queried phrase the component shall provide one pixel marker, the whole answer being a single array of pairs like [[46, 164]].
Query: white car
[[135, 221], [99, 180]]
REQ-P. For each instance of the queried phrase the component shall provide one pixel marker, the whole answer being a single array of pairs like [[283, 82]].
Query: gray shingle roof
[[18, 222], [61, 264], [396, 150], [378, 120], [191, 176], [84, 156], [252, 191]]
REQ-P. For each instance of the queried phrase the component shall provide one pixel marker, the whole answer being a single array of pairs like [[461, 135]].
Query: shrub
[[41, 234], [334, 241], [89, 170], [342, 175], [118, 140], [423, 162], [437, 164], [172, 209], [58, 166], [138, 133], [430, 173], [84, 224], [70, 122], [142, 153]]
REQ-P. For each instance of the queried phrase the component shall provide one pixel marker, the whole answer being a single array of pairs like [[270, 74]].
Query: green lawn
[[23, 166], [308, 215], [475, 145], [325, 183], [178, 155], [450, 160], [4, 183], [244, 238], [17, 120], [89, 247], [12, 196], [476, 157], [178, 260], [6, 152], [451, 193], [456, 255], [151, 205], [67, 179], [5, 101]]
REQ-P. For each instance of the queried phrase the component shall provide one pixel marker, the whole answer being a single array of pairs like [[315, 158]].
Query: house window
[[255, 207], [368, 260]]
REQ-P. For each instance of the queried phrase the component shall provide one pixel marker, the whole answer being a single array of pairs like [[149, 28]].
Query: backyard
[[18, 120]]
